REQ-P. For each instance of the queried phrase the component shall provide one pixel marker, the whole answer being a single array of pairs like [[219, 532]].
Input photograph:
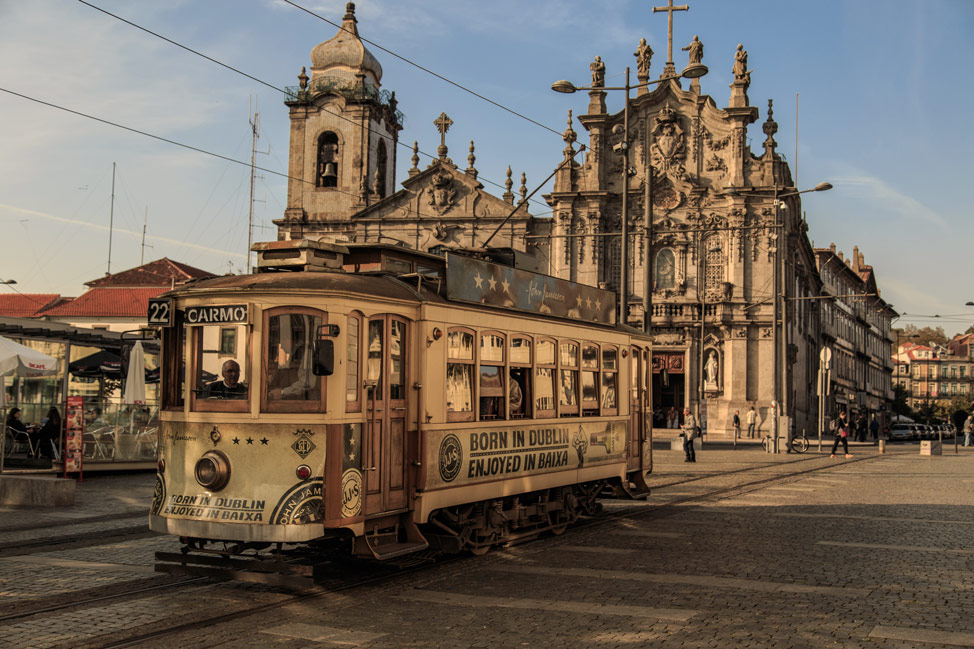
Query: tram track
[[338, 584], [75, 541]]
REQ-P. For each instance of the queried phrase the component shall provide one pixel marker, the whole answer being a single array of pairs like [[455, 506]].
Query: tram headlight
[[213, 470]]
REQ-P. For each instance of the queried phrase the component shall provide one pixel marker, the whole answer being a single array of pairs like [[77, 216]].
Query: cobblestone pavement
[[870, 553]]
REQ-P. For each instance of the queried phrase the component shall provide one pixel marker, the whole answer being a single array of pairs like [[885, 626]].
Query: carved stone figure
[[741, 75], [442, 195], [665, 269], [643, 54], [696, 51], [598, 72], [710, 371]]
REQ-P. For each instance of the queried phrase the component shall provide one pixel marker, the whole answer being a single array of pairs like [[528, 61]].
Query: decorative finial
[[393, 102], [349, 11], [303, 78], [415, 168], [443, 124], [524, 187], [569, 136], [770, 128], [508, 183], [471, 159]]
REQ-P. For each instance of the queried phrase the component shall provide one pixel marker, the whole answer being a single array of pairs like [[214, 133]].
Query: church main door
[[669, 389]]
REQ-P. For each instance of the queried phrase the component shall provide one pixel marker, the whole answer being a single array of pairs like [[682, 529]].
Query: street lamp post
[[692, 71], [779, 356]]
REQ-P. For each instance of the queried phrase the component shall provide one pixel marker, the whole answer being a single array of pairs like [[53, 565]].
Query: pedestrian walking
[[968, 429], [874, 429], [841, 427], [861, 428], [690, 432], [737, 424], [752, 420]]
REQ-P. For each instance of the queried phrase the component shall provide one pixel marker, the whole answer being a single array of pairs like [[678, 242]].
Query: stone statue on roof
[[696, 51], [598, 72], [643, 54], [741, 75]]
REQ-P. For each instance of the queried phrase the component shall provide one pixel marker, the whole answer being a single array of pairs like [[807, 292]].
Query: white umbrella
[[135, 380], [20, 360]]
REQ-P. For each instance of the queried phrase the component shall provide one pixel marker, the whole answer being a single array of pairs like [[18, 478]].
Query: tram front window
[[220, 376], [290, 384]]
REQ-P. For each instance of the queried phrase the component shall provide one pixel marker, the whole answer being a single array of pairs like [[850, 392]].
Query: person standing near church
[[737, 424], [968, 429], [752, 421], [689, 434]]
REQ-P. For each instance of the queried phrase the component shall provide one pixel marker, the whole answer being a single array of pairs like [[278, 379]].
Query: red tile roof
[[162, 272], [108, 302], [26, 305]]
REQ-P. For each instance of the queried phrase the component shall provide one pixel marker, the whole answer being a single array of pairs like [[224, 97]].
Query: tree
[[924, 335], [900, 404]]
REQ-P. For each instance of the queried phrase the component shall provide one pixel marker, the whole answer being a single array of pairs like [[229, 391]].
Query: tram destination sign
[[483, 282], [216, 314]]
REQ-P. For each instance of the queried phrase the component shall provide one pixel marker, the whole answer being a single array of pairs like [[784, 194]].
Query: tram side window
[[459, 375], [397, 377], [590, 380], [373, 367], [288, 363], [353, 377], [492, 379], [568, 375], [519, 396], [610, 380], [220, 380], [174, 366], [544, 379]]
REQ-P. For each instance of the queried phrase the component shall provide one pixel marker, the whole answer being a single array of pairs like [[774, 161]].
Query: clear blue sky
[[885, 93]]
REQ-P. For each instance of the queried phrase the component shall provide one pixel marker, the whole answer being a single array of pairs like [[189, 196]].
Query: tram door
[[386, 384], [637, 407]]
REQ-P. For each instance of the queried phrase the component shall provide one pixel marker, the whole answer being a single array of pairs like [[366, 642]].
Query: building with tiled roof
[[119, 302], [162, 272], [27, 305]]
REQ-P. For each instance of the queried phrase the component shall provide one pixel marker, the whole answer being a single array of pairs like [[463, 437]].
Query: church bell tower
[[344, 134]]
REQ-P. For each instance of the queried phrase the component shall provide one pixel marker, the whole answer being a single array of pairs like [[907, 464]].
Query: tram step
[[393, 550]]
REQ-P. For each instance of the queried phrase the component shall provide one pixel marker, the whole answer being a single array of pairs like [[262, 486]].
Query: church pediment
[[439, 192]]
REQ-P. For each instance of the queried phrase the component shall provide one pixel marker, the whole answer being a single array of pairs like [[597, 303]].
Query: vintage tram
[[395, 399]]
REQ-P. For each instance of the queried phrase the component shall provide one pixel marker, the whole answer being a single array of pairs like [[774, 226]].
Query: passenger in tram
[[516, 397], [294, 380], [230, 387]]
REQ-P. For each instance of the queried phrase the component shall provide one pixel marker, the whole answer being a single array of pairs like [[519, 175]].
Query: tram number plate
[[160, 312]]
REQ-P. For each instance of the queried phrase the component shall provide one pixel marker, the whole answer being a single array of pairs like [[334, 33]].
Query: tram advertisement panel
[[485, 454], [277, 498]]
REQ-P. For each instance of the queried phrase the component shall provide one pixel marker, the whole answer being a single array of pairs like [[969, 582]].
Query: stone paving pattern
[[754, 569]]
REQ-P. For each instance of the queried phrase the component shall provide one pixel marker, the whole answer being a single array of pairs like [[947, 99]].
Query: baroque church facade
[[344, 144], [715, 230]]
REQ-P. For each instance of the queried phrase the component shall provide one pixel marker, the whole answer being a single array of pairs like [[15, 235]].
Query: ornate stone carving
[[598, 72], [448, 234], [644, 55], [442, 195], [669, 144]]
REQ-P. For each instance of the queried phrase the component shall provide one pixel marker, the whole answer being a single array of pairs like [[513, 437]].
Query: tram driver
[[230, 387]]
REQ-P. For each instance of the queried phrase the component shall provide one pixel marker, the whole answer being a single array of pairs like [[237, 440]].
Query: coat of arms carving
[[442, 195], [669, 144]]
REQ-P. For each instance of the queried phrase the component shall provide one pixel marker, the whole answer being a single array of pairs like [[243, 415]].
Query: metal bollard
[[882, 446]]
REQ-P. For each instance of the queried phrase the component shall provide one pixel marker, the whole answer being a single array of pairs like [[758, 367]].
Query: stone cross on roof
[[443, 124], [669, 9]]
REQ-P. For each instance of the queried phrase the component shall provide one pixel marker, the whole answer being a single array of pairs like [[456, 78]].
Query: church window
[[327, 171], [665, 269], [714, 273], [381, 164]]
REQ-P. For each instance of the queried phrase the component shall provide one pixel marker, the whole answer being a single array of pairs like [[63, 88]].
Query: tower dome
[[343, 58]]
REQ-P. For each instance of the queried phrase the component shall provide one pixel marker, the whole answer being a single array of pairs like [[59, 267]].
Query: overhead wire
[[340, 116]]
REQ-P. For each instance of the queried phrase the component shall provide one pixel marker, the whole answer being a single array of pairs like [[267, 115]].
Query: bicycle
[[799, 444]]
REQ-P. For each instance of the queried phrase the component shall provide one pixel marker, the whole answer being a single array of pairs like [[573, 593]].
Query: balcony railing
[[336, 86]]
